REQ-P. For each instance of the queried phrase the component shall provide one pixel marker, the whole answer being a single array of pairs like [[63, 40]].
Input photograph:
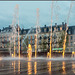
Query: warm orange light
[[73, 67], [29, 51], [63, 54], [59, 51], [14, 66], [35, 67], [48, 55], [29, 68], [14, 46], [19, 66], [49, 67], [12, 55], [73, 53], [63, 67], [0, 58], [50, 49], [35, 46]]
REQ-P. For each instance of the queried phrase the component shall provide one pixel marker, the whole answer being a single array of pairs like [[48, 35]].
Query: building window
[[24, 32], [33, 37], [33, 42], [71, 37], [45, 37], [39, 41], [71, 43], [69, 32], [29, 42], [45, 30], [71, 49], [33, 31], [29, 38], [55, 29]]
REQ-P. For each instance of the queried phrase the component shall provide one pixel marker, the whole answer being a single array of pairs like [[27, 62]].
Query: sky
[[27, 13]]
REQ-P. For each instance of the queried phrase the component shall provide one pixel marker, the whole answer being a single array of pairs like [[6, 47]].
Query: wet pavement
[[39, 66]]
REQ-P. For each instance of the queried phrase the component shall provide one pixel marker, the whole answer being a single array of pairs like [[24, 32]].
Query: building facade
[[58, 32], [28, 36]]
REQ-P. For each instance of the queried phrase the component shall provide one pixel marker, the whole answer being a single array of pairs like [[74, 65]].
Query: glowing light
[[12, 55], [63, 54], [19, 66], [35, 46], [73, 67], [73, 54], [29, 51], [48, 55], [0, 58], [50, 50], [18, 43], [59, 51], [63, 67], [14, 47], [49, 67], [29, 68], [14, 66], [12, 63], [35, 67], [51, 31]]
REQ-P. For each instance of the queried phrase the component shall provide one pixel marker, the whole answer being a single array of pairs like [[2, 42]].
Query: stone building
[[28, 36]]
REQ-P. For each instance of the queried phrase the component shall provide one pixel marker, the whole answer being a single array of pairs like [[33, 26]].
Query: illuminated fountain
[[49, 67], [35, 65], [29, 68], [29, 51], [15, 34], [50, 51], [63, 67], [64, 44], [47, 54], [73, 54]]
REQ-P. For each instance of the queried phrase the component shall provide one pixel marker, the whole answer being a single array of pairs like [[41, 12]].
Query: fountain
[[37, 65], [73, 54], [35, 46], [50, 52], [29, 51], [64, 44]]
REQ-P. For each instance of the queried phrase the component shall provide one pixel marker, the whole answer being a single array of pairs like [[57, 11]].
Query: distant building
[[27, 36], [7, 35], [44, 37]]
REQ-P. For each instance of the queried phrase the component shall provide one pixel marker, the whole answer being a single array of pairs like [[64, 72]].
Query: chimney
[[45, 26], [56, 24], [62, 23], [65, 23]]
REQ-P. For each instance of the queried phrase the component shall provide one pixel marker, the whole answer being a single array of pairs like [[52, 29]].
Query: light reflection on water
[[49, 67], [19, 67], [73, 67], [36, 67], [14, 66], [63, 68], [29, 68]]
